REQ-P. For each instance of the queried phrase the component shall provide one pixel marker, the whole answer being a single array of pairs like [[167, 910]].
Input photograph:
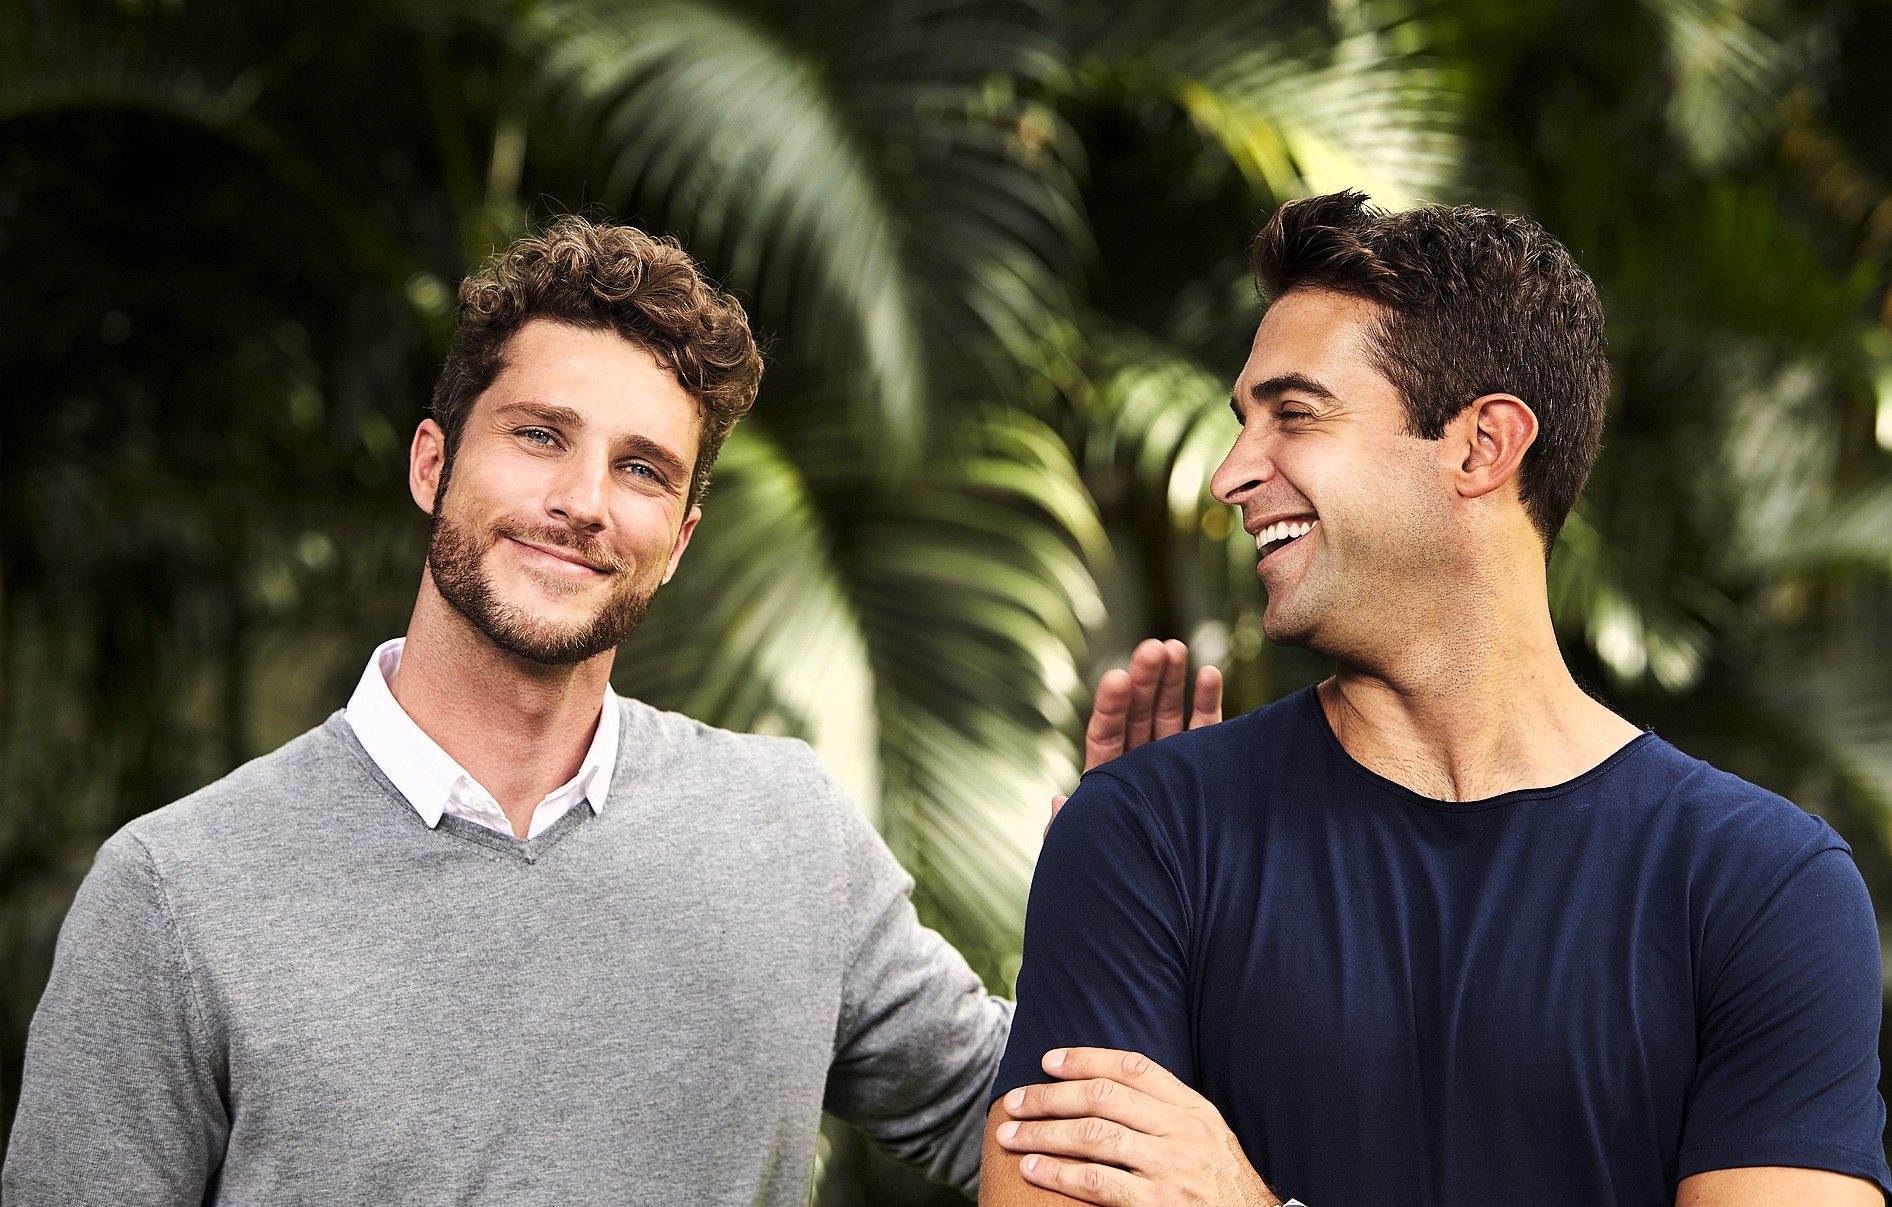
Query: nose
[[580, 495], [1248, 465]]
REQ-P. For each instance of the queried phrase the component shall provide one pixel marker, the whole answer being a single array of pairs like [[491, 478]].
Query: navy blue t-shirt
[[1570, 995]]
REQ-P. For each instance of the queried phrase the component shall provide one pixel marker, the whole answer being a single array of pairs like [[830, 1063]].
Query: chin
[[1283, 623], [1299, 636]]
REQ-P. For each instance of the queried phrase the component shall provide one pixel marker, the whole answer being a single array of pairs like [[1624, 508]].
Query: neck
[[518, 727], [1477, 707]]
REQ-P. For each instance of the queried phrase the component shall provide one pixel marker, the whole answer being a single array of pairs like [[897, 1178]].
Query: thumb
[[1057, 803]]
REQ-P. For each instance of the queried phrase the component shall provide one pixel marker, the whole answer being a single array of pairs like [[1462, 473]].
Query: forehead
[[1321, 335], [612, 383]]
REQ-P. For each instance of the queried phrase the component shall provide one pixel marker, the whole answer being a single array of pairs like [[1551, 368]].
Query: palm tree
[[997, 246]]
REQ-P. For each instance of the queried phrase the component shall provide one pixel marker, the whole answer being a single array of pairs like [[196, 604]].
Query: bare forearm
[[1764, 1186], [1000, 1182]]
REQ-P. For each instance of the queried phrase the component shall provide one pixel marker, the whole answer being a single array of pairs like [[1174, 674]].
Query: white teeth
[[1282, 530]]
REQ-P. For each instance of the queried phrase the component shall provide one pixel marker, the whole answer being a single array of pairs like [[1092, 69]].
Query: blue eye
[[537, 435]]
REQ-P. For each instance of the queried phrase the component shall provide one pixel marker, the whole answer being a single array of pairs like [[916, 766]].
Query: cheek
[[1411, 505], [1378, 497], [488, 486], [646, 527]]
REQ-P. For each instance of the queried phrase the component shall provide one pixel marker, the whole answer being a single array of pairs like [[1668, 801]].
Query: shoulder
[[1724, 817], [250, 802], [215, 836], [764, 804], [688, 753], [1201, 766], [1741, 852], [754, 790]]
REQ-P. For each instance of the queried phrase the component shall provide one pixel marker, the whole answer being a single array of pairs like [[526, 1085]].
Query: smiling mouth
[[571, 558], [1280, 534]]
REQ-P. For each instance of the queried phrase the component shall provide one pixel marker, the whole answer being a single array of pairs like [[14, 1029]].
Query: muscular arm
[[1003, 1184], [1766, 1186], [1000, 1182], [1116, 1129], [1119, 1131]]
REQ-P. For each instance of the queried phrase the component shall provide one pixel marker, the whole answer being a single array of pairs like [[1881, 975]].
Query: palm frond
[[932, 664], [898, 201], [757, 630], [981, 595], [1638, 623], [1728, 73], [734, 136], [163, 60], [1302, 110], [1165, 416], [1820, 730]]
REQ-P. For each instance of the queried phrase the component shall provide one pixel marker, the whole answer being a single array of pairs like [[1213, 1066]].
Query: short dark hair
[[606, 278], [1472, 302]]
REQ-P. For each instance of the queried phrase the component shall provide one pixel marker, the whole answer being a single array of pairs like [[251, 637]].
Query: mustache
[[588, 550]]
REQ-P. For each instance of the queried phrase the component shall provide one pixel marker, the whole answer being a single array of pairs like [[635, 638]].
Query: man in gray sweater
[[491, 933]]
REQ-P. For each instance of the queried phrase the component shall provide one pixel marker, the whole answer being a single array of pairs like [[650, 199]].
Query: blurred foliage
[[998, 247]]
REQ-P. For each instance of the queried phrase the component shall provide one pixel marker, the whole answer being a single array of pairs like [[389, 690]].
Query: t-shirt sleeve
[[119, 1098], [1788, 1068], [1106, 940], [918, 1036]]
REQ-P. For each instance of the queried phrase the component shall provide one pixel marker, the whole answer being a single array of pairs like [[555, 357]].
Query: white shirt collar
[[435, 784]]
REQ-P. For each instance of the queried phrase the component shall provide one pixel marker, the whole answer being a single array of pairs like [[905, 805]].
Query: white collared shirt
[[435, 784]]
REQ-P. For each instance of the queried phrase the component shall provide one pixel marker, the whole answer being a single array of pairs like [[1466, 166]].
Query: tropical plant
[[997, 248]]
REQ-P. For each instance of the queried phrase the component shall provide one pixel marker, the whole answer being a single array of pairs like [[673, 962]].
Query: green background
[[997, 250]]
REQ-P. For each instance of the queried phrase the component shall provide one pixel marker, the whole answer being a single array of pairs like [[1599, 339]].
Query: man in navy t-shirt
[[1442, 930]]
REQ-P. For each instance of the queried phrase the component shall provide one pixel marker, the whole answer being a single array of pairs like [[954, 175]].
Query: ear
[[1493, 434], [683, 540], [426, 457]]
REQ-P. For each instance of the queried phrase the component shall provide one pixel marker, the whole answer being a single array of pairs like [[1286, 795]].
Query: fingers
[[1099, 1184], [1167, 717], [1206, 708], [1057, 803], [1104, 739], [1131, 1069], [1149, 663], [1088, 1139], [1097, 1099], [1145, 703]]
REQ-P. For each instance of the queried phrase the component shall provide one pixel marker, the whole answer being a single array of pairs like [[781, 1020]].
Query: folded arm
[[1118, 1130]]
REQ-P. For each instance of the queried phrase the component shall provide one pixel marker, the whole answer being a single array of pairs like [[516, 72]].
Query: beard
[[456, 556]]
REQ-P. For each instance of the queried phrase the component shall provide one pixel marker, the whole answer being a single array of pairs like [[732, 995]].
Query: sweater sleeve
[[119, 1099], [918, 1038]]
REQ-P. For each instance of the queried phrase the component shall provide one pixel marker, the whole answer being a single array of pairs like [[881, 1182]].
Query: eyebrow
[[544, 412], [566, 417], [650, 450], [1285, 383]]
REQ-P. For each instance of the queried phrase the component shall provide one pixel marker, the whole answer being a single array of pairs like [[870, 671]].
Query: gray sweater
[[285, 988]]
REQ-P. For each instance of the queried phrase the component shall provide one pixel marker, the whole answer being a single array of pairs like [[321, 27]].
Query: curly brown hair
[[606, 278], [1472, 302]]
